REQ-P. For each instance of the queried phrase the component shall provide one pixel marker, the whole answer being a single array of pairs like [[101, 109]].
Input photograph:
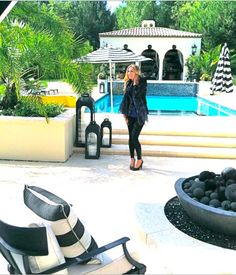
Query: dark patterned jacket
[[135, 94]]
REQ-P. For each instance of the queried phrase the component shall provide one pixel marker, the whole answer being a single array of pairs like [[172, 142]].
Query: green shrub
[[234, 79], [53, 109], [32, 106], [203, 66]]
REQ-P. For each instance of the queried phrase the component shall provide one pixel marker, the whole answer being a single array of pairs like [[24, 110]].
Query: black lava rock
[[204, 175], [230, 192], [226, 170], [205, 200], [229, 173], [197, 184], [226, 205], [215, 203], [229, 181], [187, 185], [198, 193], [214, 195], [208, 193], [221, 193], [212, 189], [233, 206], [210, 184]]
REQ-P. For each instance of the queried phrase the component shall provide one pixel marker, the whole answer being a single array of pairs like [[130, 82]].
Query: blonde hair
[[136, 71]]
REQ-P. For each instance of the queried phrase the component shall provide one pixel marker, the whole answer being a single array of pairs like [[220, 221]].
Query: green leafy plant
[[203, 66], [232, 56], [35, 43], [31, 86], [2, 89], [234, 79], [191, 64], [32, 106], [205, 77]]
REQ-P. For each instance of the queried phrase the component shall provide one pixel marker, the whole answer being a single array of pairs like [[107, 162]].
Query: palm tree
[[39, 46]]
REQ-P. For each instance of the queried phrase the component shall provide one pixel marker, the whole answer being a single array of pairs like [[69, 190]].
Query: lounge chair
[[60, 242], [28, 250]]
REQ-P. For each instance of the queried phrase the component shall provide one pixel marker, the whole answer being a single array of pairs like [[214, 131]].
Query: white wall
[[160, 44]]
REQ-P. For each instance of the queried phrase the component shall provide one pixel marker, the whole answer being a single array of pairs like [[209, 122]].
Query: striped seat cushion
[[54, 258], [71, 234], [38, 264]]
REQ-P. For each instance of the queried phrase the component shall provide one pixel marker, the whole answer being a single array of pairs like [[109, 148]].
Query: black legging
[[134, 129]]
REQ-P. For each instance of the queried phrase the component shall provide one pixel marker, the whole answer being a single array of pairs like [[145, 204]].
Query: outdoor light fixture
[[92, 141], [84, 101], [106, 133], [194, 49]]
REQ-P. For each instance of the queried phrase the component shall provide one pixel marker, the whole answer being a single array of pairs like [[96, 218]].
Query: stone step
[[178, 141], [202, 132], [201, 137], [170, 151], [199, 126]]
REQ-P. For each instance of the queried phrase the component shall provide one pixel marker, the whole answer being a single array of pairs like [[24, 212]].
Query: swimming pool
[[170, 105]]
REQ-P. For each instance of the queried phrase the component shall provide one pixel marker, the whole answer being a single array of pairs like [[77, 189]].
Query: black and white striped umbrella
[[222, 80], [111, 55]]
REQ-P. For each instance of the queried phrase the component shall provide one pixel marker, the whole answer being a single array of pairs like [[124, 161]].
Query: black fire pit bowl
[[216, 219]]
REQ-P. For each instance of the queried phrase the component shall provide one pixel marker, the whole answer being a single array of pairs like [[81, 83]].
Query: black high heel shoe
[[138, 168], [131, 167]]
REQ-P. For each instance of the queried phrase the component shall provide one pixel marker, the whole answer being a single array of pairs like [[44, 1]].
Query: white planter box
[[204, 88], [32, 138]]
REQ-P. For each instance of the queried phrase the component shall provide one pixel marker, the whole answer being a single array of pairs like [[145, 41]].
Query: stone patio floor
[[113, 202]]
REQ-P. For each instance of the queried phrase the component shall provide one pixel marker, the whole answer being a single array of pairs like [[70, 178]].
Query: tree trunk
[[10, 98]]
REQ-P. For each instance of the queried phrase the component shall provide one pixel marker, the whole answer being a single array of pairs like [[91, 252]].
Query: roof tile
[[150, 32]]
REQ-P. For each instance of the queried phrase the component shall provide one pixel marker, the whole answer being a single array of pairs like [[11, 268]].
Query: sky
[[112, 4]]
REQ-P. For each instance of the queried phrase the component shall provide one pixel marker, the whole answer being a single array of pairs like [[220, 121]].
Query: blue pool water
[[170, 105]]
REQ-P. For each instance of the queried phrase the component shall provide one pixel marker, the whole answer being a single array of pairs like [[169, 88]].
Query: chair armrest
[[89, 255], [139, 268]]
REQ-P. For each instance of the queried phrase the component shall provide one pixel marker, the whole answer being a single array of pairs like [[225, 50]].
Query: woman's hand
[[136, 80], [126, 119]]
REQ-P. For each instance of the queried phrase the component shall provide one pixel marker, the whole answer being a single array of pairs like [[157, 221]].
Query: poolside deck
[[226, 99]]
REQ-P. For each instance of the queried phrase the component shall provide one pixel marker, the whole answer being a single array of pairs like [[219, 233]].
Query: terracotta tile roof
[[150, 32]]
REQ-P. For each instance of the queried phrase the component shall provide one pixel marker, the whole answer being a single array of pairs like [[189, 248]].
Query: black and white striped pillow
[[71, 234]]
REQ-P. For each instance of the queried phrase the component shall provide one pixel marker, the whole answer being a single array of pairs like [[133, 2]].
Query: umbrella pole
[[111, 94]]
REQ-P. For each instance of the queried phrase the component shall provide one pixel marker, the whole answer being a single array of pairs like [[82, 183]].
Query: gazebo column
[[160, 67]]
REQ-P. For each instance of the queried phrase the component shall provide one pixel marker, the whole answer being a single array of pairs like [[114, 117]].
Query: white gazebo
[[165, 46]]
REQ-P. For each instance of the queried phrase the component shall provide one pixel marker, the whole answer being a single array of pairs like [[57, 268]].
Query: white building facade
[[165, 46]]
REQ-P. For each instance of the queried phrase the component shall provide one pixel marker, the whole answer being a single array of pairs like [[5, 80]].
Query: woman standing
[[135, 111]]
